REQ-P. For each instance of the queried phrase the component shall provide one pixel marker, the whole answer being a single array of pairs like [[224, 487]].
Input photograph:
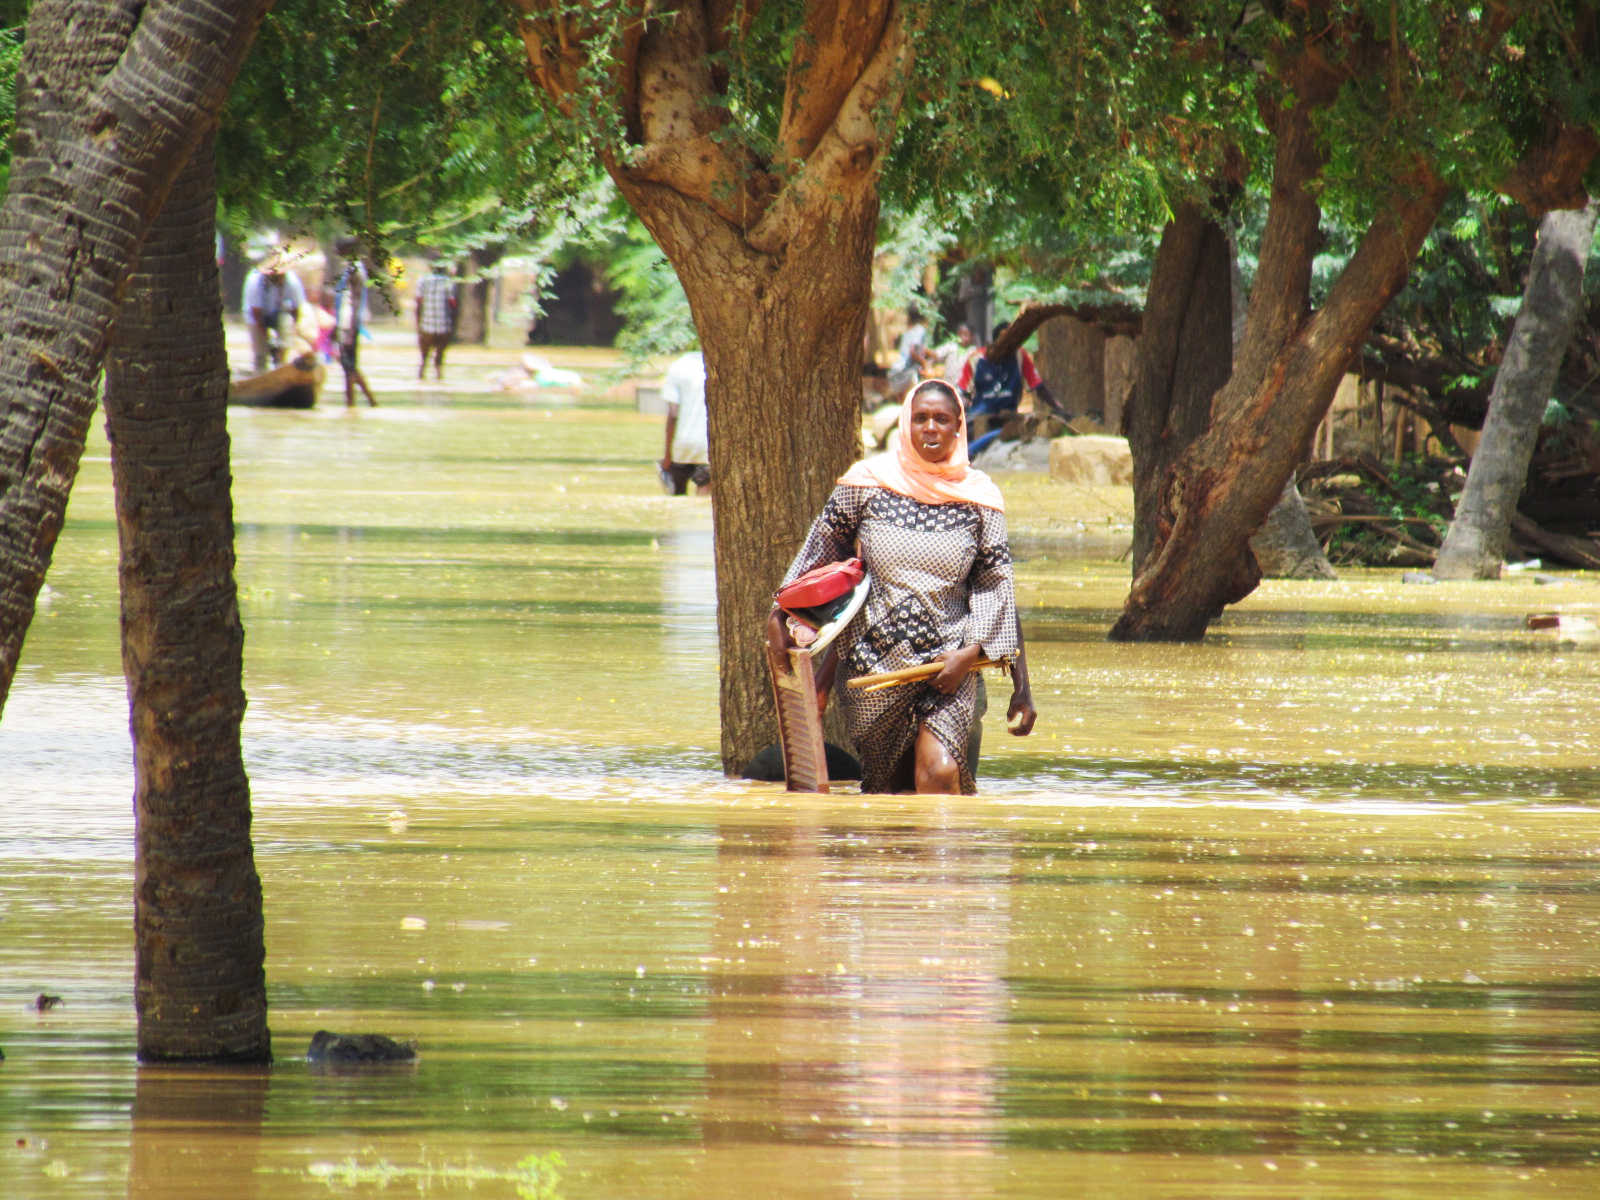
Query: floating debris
[[353, 1048]]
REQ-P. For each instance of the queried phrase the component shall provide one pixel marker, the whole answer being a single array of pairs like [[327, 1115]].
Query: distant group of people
[[988, 387], [274, 297], [991, 387]]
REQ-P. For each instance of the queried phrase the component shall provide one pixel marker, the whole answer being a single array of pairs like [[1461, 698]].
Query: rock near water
[[1097, 461]]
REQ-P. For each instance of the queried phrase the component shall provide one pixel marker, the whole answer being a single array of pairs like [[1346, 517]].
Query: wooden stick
[[910, 674]]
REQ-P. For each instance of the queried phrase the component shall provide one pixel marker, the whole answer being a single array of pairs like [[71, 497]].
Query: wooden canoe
[[293, 385]]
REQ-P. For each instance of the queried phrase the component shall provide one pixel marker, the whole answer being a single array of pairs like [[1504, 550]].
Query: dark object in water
[[45, 1003], [293, 385], [358, 1048], [767, 765]]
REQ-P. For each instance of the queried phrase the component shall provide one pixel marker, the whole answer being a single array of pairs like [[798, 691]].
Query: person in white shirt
[[911, 355], [350, 317], [687, 458], [270, 291], [953, 354]]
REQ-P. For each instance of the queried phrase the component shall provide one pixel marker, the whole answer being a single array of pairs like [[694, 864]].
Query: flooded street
[[1310, 910]]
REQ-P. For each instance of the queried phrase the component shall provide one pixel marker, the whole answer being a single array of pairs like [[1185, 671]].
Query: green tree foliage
[[1049, 135], [1443, 336], [412, 123], [13, 15]]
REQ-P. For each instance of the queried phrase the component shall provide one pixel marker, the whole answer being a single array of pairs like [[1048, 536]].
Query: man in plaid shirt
[[436, 318]]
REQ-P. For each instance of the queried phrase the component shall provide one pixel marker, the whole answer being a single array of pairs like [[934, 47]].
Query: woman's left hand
[[1021, 715], [957, 665]]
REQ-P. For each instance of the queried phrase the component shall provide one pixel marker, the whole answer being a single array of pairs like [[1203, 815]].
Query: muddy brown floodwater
[[1310, 910]]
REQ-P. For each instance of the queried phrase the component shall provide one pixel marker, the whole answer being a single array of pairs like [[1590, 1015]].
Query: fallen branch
[[1578, 551]]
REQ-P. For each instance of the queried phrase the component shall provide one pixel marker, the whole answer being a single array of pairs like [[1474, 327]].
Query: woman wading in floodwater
[[932, 532]]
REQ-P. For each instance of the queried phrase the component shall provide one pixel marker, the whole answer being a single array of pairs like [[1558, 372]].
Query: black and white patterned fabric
[[941, 579]]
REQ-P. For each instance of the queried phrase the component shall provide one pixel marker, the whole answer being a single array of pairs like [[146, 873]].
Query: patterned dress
[[941, 579]]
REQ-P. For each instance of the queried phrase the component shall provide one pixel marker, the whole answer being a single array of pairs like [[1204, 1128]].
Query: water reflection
[[196, 1134], [858, 986]]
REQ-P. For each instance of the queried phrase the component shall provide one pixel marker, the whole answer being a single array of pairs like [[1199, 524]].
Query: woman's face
[[935, 423]]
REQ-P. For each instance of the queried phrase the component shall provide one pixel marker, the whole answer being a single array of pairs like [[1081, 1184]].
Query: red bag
[[817, 588]]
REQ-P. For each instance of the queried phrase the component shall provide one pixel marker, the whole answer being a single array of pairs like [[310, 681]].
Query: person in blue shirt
[[995, 388]]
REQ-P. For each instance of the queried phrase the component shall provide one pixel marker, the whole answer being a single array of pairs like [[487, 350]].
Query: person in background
[[436, 318], [270, 291], [350, 317], [952, 355], [995, 388], [912, 355], [688, 457]]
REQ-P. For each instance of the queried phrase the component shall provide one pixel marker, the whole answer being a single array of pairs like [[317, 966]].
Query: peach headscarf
[[901, 469]]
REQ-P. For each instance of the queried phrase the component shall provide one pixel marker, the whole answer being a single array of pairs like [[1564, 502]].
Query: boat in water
[[296, 384]]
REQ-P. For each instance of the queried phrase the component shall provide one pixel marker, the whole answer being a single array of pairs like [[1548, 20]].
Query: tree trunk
[[1551, 302], [1285, 372], [773, 245], [782, 337], [473, 317], [1185, 354], [112, 97], [1221, 490], [200, 990], [1286, 547], [1072, 360]]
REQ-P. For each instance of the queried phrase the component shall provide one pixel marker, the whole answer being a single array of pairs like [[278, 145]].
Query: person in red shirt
[[996, 388]]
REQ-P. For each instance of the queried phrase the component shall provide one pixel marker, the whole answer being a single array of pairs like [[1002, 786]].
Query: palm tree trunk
[[200, 988], [1551, 303], [112, 98]]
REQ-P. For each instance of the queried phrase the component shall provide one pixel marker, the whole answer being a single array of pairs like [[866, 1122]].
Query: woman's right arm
[[832, 538], [833, 533]]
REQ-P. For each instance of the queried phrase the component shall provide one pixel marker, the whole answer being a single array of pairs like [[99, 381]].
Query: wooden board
[[805, 759]]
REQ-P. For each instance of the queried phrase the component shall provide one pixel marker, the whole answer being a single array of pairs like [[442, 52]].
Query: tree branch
[[850, 150], [828, 57], [1551, 176], [1115, 320]]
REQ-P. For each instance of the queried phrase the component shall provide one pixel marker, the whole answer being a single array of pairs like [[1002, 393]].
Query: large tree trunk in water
[[1285, 373], [782, 342], [200, 988], [112, 98], [1551, 302], [1221, 490], [773, 244], [1185, 355]]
